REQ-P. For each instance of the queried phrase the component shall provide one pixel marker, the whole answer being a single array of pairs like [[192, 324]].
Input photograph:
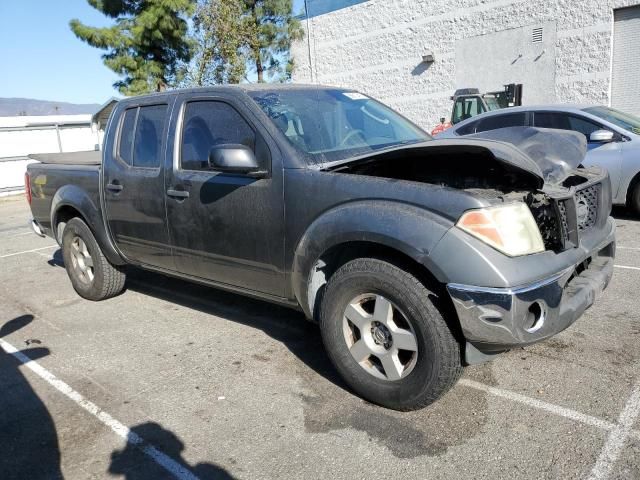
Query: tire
[[417, 378], [91, 274], [634, 199]]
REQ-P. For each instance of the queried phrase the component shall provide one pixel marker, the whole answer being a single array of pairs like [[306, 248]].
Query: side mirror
[[601, 136], [234, 158]]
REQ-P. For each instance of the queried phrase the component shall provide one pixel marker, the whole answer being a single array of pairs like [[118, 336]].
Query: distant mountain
[[29, 106]]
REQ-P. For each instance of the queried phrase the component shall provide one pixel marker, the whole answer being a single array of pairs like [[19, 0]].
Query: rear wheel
[[91, 274], [386, 337]]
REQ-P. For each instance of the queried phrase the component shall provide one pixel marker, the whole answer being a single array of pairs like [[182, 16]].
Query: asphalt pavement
[[175, 380]]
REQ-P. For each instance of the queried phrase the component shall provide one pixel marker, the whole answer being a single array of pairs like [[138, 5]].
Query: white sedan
[[613, 138]]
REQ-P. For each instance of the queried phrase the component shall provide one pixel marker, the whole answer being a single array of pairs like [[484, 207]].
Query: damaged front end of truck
[[539, 167], [512, 296]]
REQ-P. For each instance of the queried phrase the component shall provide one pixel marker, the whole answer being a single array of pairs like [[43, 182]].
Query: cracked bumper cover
[[496, 319]]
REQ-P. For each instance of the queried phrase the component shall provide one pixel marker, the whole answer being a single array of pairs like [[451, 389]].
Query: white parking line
[[28, 232], [27, 251], [166, 462], [627, 267], [627, 248], [539, 404], [617, 438]]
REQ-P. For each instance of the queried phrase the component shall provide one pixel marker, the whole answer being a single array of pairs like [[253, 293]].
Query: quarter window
[[208, 124]]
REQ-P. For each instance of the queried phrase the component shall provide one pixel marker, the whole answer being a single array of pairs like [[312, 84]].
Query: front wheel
[[91, 274], [634, 199], [386, 337]]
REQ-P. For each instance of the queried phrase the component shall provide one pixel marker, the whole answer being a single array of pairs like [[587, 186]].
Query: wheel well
[[331, 260], [62, 217], [632, 185]]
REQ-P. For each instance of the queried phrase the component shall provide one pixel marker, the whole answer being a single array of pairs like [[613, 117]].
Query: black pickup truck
[[416, 256]]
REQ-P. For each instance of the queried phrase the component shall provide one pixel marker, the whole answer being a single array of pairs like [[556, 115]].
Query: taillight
[[27, 186]]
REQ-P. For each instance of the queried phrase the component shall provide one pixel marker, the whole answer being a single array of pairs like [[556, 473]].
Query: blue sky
[[41, 58]]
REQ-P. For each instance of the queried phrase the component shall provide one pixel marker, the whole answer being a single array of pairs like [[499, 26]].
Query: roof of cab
[[243, 87]]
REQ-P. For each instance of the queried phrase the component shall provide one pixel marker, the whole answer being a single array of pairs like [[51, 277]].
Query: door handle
[[114, 187], [178, 193]]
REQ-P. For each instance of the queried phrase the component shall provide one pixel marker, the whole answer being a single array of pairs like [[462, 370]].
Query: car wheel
[[91, 274], [634, 199], [386, 337]]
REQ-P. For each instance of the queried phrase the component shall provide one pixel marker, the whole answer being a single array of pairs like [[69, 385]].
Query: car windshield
[[629, 122], [334, 124]]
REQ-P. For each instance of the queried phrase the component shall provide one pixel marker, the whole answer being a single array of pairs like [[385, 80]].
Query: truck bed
[[91, 157], [47, 179]]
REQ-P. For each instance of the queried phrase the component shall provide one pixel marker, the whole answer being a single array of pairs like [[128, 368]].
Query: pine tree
[[271, 28], [148, 45], [220, 40]]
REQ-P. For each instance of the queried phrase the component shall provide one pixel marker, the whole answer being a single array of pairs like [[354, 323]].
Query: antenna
[[306, 12]]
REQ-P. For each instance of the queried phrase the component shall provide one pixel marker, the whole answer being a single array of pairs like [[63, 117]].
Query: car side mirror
[[235, 158], [601, 136]]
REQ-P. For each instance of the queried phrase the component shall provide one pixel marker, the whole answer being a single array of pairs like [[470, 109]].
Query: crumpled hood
[[540, 154], [555, 152]]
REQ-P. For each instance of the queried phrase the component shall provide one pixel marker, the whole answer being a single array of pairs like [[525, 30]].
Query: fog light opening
[[535, 317]]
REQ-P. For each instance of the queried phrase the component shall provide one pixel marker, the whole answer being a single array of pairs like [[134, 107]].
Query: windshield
[[492, 102], [334, 124], [629, 122]]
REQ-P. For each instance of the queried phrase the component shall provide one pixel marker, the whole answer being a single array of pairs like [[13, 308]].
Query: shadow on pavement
[[285, 325], [135, 465], [56, 259], [28, 439], [29, 442]]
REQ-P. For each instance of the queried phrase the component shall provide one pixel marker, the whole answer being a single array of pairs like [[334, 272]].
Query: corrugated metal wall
[[625, 85], [17, 142]]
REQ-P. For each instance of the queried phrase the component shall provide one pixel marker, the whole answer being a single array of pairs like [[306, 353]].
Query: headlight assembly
[[508, 228]]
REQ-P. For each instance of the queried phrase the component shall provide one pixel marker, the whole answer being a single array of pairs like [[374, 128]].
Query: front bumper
[[496, 319]]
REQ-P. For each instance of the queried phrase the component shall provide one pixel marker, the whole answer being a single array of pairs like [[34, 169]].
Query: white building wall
[[16, 143], [377, 47], [78, 139]]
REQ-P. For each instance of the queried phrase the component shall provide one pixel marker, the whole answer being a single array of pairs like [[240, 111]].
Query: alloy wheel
[[380, 337], [81, 260]]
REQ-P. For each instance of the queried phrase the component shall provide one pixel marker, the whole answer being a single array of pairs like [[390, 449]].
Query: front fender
[[409, 229], [78, 199]]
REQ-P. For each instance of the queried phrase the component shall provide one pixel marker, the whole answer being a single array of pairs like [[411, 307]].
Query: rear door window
[[559, 121], [502, 121], [149, 136]]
